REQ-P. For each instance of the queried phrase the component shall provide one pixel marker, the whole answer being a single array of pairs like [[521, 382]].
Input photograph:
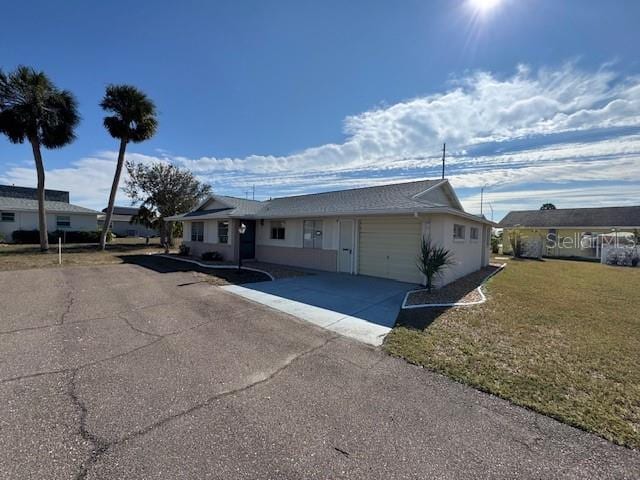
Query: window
[[63, 221], [312, 234], [132, 233], [197, 231], [473, 233], [8, 217], [277, 230], [458, 232], [223, 232]]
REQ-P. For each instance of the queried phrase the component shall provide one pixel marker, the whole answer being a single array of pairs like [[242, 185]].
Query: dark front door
[[248, 240]]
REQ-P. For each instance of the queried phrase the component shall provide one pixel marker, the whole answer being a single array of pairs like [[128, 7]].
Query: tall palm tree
[[32, 108], [133, 120]]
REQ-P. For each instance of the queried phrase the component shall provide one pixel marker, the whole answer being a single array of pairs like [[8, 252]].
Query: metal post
[[59, 251]]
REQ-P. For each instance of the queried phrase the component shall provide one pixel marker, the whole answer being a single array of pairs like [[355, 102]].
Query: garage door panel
[[388, 248]]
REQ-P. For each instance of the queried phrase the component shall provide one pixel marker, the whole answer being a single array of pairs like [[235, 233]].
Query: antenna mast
[[444, 149]]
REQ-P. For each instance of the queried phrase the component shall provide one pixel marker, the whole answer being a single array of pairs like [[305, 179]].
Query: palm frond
[[133, 113], [31, 106], [432, 260]]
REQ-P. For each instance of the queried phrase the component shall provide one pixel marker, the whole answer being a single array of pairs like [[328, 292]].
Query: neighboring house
[[570, 232], [373, 231], [19, 211], [121, 224]]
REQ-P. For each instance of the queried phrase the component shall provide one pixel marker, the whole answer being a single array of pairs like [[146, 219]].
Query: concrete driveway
[[125, 372], [360, 307]]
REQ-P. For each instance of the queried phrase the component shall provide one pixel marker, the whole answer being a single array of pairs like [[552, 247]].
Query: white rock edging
[[214, 267], [483, 298]]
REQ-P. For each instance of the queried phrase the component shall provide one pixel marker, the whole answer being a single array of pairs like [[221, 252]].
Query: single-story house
[[570, 232], [19, 211], [373, 231], [121, 224]]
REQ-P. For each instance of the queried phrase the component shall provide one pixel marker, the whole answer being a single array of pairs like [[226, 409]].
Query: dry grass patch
[[560, 337], [21, 257]]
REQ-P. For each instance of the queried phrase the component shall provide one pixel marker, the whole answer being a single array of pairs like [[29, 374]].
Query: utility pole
[[482, 197], [444, 149]]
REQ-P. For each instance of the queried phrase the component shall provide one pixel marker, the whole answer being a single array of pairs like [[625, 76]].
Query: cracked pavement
[[129, 372]]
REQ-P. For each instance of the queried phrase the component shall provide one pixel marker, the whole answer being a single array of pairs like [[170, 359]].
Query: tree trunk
[[164, 236], [112, 196], [42, 214]]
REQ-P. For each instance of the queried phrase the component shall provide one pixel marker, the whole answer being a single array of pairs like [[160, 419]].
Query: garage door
[[388, 248]]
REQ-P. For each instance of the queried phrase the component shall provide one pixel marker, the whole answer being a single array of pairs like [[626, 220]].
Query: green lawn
[[559, 337]]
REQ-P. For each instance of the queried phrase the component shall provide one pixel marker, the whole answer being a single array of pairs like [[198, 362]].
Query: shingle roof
[[123, 210], [574, 217], [383, 199], [397, 196], [32, 193], [241, 206], [9, 203]]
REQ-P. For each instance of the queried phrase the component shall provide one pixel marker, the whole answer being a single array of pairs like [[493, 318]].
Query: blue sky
[[537, 99]]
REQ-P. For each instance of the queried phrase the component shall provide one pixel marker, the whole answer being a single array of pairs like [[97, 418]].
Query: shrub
[[183, 250], [68, 236], [516, 243], [432, 260], [212, 257], [495, 244]]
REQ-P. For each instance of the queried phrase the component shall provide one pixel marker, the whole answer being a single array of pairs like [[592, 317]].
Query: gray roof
[[123, 210], [574, 217], [398, 198], [27, 204], [32, 193], [241, 206]]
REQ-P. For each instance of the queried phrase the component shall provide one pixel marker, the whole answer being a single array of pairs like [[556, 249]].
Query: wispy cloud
[[552, 127]]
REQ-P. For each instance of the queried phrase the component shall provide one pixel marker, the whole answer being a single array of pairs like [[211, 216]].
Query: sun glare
[[484, 6]]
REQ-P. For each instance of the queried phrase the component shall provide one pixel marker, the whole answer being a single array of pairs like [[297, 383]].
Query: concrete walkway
[[359, 307]]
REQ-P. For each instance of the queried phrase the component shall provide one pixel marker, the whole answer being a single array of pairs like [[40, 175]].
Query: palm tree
[[133, 120], [432, 260], [32, 108]]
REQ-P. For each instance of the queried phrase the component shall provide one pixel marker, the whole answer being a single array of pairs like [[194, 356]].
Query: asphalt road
[[126, 372]]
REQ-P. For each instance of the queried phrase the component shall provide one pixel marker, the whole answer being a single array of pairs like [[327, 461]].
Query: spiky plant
[[32, 108], [134, 120], [432, 261]]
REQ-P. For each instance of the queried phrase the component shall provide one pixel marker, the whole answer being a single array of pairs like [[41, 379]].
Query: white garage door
[[388, 247]]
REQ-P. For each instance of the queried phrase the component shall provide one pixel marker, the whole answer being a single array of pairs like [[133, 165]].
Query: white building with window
[[19, 211], [373, 231]]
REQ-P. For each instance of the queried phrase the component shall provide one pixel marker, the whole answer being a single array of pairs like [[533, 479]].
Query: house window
[[312, 234], [197, 231], [458, 232], [277, 230], [8, 217], [473, 233], [223, 232], [63, 221], [131, 233]]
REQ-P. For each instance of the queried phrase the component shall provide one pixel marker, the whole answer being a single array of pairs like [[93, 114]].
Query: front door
[[248, 240], [345, 251]]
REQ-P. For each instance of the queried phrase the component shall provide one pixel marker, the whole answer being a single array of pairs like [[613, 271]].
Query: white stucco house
[[374, 231], [122, 224], [19, 211]]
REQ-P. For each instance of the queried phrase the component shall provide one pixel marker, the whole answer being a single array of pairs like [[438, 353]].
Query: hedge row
[[68, 236]]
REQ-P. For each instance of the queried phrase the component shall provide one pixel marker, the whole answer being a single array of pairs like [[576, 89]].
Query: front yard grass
[[559, 337], [20, 257]]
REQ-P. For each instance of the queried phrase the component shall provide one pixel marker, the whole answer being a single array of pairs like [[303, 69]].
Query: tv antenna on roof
[[444, 149]]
